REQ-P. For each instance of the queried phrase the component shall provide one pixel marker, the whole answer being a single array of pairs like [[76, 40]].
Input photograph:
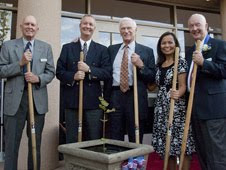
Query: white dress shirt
[[191, 67], [118, 61]]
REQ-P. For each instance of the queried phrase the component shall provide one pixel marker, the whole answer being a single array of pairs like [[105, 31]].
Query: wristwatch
[[89, 71], [142, 69]]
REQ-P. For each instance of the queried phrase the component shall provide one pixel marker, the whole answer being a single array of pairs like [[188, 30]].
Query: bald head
[[30, 17], [29, 27], [198, 26]]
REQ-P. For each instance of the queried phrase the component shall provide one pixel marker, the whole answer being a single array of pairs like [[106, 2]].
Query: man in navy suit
[[70, 70], [209, 105], [122, 100]]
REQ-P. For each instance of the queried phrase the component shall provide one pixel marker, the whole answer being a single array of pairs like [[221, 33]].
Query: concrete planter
[[88, 155]]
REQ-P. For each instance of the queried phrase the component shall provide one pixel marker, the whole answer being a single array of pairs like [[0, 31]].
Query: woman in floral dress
[[164, 76]]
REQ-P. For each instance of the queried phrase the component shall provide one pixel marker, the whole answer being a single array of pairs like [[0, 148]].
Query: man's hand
[[135, 59], [83, 66], [198, 58], [31, 78], [27, 57], [79, 75]]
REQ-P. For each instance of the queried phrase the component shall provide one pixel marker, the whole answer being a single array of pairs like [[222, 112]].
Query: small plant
[[104, 106]]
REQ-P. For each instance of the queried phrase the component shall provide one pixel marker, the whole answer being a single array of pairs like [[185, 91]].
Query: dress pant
[[122, 121], [14, 126], [91, 128], [210, 139]]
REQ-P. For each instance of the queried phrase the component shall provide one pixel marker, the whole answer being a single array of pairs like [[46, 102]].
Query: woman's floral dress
[[164, 77]]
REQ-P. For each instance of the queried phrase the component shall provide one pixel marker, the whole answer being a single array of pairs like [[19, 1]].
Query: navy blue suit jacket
[[99, 62], [210, 88], [144, 76]]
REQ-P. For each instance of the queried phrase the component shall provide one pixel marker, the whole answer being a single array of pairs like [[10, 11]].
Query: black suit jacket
[[210, 89], [144, 76], [99, 62]]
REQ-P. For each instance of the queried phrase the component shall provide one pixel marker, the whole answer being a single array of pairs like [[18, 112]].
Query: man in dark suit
[[121, 98], [209, 105], [14, 56], [70, 70]]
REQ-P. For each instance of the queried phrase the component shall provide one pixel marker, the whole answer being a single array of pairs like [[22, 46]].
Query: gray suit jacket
[[43, 66]]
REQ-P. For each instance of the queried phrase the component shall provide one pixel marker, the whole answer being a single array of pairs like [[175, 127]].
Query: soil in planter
[[107, 148]]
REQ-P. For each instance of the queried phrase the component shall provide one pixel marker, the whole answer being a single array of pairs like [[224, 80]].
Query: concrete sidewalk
[[61, 166]]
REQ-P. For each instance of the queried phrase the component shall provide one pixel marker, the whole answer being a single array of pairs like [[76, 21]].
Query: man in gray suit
[[14, 56]]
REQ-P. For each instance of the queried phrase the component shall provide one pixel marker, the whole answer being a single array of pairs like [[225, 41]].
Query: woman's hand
[[174, 94]]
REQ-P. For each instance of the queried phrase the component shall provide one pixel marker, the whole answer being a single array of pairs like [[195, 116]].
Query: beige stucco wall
[[223, 16], [48, 15]]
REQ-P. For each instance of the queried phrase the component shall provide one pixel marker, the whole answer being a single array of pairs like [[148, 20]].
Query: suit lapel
[[138, 50], [208, 54], [76, 50], [19, 48], [114, 53], [91, 53], [36, 55]]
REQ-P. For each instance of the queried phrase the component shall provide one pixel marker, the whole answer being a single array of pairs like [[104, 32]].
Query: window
[[5, 24], [69, 29]]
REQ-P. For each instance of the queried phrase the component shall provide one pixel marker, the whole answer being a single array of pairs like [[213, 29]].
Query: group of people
[[114, 66]]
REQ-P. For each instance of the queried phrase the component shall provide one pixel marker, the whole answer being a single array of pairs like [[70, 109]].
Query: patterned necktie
[[85, 50], [124, 76]]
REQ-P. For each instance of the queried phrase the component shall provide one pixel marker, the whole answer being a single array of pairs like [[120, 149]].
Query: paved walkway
[[61, 166]]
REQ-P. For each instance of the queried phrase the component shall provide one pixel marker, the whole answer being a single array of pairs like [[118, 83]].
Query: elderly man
[[14, 57], [70, 70], [209, 107], [120, 87]]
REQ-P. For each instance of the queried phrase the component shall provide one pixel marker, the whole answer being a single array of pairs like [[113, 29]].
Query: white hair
[[124, 19]]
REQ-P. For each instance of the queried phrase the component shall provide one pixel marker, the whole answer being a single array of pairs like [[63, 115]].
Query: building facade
[[59, 24]]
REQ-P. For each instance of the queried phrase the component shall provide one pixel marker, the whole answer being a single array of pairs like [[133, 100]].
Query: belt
[[118, 88]]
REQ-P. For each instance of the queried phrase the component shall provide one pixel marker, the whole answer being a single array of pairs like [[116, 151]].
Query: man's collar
[[87, 42], [204, 40], [26, 41], [130, 45]]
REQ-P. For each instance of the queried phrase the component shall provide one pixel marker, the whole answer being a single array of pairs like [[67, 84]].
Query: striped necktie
[[85, 50]]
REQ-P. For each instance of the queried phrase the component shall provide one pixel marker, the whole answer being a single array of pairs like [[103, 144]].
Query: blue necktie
[[27, 47]]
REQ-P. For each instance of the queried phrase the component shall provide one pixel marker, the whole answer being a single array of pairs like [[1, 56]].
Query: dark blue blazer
[[144, 76], [99, 62], [210, 88]]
